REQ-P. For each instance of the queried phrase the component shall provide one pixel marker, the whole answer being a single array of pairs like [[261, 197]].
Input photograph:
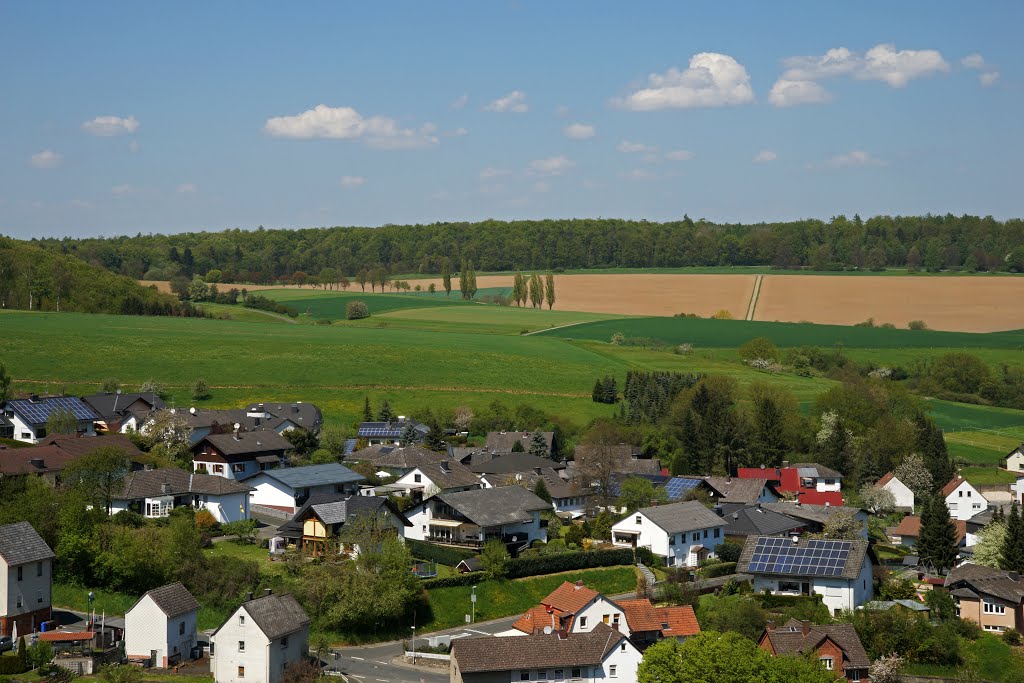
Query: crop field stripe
[[753, 297]]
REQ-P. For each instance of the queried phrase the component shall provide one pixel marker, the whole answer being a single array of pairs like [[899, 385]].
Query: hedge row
[[713, 571], [450, 557], [587, 559], [773, 601], [12, 665], [467, 579]]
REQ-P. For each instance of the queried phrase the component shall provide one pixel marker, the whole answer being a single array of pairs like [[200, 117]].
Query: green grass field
[[988, 659], [330, 305]]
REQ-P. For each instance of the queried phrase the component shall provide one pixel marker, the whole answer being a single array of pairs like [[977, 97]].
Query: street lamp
[[90, 615], [413, 644], [472, 598]]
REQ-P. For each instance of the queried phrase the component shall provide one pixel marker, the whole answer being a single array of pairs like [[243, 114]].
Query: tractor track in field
[[351, 387]]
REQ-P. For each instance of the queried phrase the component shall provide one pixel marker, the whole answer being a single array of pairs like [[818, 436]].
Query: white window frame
[[829, 663], [989, 607], [613, 671]]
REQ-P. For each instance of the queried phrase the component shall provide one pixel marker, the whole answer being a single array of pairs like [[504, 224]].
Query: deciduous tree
[[98, 474], [61, 421], [637, 492]]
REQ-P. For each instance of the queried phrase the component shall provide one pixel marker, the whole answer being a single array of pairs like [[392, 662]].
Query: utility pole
[[472, 598]]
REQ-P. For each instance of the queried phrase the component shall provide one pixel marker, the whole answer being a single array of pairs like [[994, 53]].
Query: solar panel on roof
[[677, 487], [813, 558], [38, 412]]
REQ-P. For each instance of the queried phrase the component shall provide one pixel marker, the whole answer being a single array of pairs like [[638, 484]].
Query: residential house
[[991, 598], [28, 416], [508, 513], [298, 414], [395, 432], [812, 483], [443, 476], [571, 608], [161, 626], [901, 493], [595, 656], [26, 579], [676, 488], [509, 442], [621, 457], [682, 533], [325, 523], [259, 640], [53, 453], [1015, 459], [568, 498], [975, 524], [154, 493], [203, 422], [123, 412], [737, 490], [756, 520], [839, 571], [837, 647], [886, 605], [510, 463], [816, 516], [963, 500], [1017, 489], [397, 459], [240, 454], [287, 488], [649, 624], [908, 530]]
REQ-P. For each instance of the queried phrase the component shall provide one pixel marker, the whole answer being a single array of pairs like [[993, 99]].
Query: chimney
[[237, 428], [261, 407], [445, 466], [248, 596], [268, 591], [769, 625], [579, 585], [805, 627]]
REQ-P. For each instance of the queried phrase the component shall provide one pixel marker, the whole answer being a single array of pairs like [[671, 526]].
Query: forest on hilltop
[[263, 256]]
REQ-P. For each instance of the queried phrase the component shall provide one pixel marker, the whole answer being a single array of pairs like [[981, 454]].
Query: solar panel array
[[677, 487], [380, 431], [810, 558], [615, 484], [37, 412]]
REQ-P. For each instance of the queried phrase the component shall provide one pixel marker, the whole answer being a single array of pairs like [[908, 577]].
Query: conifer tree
[[1013, 546], [434, 440], [409, 435], [367, 410], [541, 491], [385, 414], [936, 545], [932, 447], [549, 290], [538, 445]]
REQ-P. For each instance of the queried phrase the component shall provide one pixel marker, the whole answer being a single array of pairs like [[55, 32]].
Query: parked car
[[6, 643]]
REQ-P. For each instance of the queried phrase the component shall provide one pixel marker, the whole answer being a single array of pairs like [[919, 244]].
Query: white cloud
[[133, 146], [561, 110], [345, 123], [557, 165], [459, 102], [799, 83], [854, 158], [977, 62], [580, 131], [457, 133], [187, 188], [491, 172], [989, 78], [973, 61], [46, 159], [515, 102], [627, 147], [765, 156], [541, 187], [711, 80], [107, 126], [121, 190], [679, 155], [352, 181], [637, 174]]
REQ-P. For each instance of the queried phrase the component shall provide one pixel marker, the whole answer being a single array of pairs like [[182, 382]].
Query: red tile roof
[[951, 486], [570, 597], [536, 619], [641, 615], [886, 478], [66, 636], [908, 526]]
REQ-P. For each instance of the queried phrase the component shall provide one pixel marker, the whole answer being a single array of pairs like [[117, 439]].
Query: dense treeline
[[38, 279], [261, 256]]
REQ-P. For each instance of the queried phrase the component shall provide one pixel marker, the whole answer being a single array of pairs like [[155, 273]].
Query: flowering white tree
[[463, 418], [168, 435], [877, 499], [988, 551], [886, 669], [915, 475]]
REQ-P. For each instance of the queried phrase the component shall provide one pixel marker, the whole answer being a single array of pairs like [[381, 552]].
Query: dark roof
[[514, 462], [886, 605], [223, 421], [495, 506], [312, 475], [150, 484], [396, 457], [470, 564], [759, 521], [390, 430], [813, 469], [556, 486], [790, 640], [20, 544], [325, 500], [299, 413], [247, 443], [503, 442], [678, 517], [449, 474], [477, 655], [276, 615], [818, 514], [736, 490], [114, 405], [987, 581], [623, 456], [77, 446], [172, 599], [856, 554], [37, 411]]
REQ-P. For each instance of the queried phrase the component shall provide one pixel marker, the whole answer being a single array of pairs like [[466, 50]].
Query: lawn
[[988, 476], [243, 314], [247, 551], [330, 305], [955, 416], [111, 603], [988, 659]]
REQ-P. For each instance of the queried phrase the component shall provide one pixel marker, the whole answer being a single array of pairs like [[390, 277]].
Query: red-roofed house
[[572, 608], [901, 493], [836, 646], [649, 624], [963, 500], [907, 531], [814, 484]]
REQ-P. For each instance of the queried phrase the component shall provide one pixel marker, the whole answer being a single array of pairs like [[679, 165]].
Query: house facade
[[259, 640], [161, 626], [154, 493], [963, 500], [443, 476], [681, 533], [123, 412], [901, 493], [240, 454], [836, 647], [1015, 459], [471, 518], [326, 527], [287, 488], [28, 417], [26, 579], [991, 598], [572, 608]]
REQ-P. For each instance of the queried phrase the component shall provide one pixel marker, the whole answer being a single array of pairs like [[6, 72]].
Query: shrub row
[[588, 559], [12, 665], [467, 579], [718, 569], [450, 557], [772, 601]]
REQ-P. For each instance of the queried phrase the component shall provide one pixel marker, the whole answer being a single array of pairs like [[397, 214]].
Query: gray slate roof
[[813, 469], [149, 484], [514, 462], [172, 599], [502, 442], [678, 517], [790, 640], [759, 521], [987, 581], [312, 475], [885, 605], [246, 443], [477, 655], [299, 413], [277, 615], [496, 506], [21, 544], [341, 511], [110, 404], [736, 490], [810, 513], [449, 474], [395, 457], [851, 570]]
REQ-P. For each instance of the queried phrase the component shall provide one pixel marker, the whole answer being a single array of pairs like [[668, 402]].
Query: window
[[994, 629], [613, 671], [524, 675], [695, 537], [637, 520], [672, 539], [853, 675], [968, 494], [994, 608], [20, 601], [241, 672], [615, 620], [181, 629], [828, 662], [417, 478], [961, 494], [606, 618], [241, 646], [39, 596], [789, 586], [583, 622], [559, 675], [576, 673], [20, 572], [622, 648], [238, 467], [717, 532], [241, 620], [542, 675], [284, 642], [39, 568]]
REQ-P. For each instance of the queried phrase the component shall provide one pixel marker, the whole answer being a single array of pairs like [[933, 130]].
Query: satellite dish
[[238, 426], [519, 477], [515, 538], [192, 410], [547, 630]]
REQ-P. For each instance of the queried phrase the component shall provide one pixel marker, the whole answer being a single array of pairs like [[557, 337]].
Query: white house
[[443, 476], [1015, 459], [682, 533], [1018, 489], [161, 626], [901, 493], [123, 412], [239, 454], [28, 416], [839, 571], [287, 488], [597, 656], [568, 498], [508, 513], [154, 493], [26, 579], [963, 500], [574, 608], [259, 640], [394, 432]]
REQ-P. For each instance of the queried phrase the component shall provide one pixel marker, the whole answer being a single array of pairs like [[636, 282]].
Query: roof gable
[[276, 615], [538, 651], [312, 475], [173, 600], [677, 517], [20, 543], [495, 506]]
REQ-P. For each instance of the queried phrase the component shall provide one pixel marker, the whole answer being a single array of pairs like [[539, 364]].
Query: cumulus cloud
[[679, 155], [107, 126], [710, 80], [557, 165], [637, 174], [121, 190], [800, 82], [627, 147], [187, 188], [765, 156], [46, 159], [975, 61], [514, 102], [345, 123], [459, 102], [350, 181], [491, 172], [989, 78], [855, 158], [580, 131]]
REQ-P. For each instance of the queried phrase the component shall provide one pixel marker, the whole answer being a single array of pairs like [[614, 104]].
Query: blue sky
[[117, 118]]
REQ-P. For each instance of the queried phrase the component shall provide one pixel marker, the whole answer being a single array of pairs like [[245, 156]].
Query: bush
[[773, 601], [205, 521], [450, 557], [729, 552], [10, 666], [569, 561], [354, 310], [759, 348], [1011, 636], [467, 579], [200, 391], [720, 569], [917, 325]]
